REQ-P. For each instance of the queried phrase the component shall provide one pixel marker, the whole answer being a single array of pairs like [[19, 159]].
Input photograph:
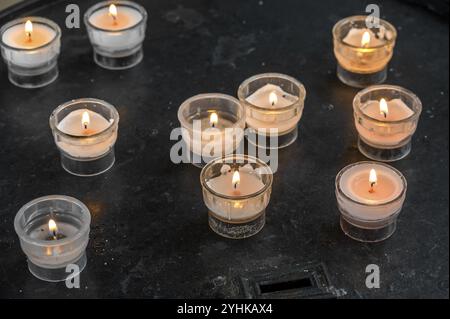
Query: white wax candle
[[116, 33], [43, 233], [215, 138], [55, 254], [397, 110], [355, 38], [31, 53], [249, 183], [355, 183], [271, 97], [74, 125]]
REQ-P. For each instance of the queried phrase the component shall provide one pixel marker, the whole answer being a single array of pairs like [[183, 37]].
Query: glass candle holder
[[370, 197], [30, 47], [85, 132], [54, 233], [386, 118], [212, 126], [236, 190], [274, 105], [363, 53], [117, 30]]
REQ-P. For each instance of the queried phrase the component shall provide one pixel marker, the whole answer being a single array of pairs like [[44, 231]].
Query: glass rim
[[185, 124], [85, 225], [119, 3], [106, 131], [348, 167], [228, 158], [35, 19], [341, 22], [297, 83], [417, 107]]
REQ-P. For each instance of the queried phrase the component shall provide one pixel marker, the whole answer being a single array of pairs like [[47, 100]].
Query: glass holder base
[[89, 167], [361, 80], [237, 230], [368, 234], [119, 62], [264, 141], [384, 154], [57, 274], [33, 78]]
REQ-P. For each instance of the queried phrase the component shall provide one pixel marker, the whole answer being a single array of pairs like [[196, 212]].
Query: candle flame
[[52, 228], [365, 40], [372, 179], [29, 29], [236, 179], [384, 110], [273, 98], [85, 119], [113, 11], [213, 119]]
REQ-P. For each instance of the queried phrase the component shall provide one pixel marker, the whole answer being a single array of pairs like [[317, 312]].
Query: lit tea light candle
[[30, 47], [386, 117], [274, 106], [236, 190], [370, 196], [53, 233], [85, 132], [117, 32], [363, 53], [212, 126]]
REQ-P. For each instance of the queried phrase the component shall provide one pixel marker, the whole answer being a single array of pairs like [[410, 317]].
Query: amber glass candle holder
[[361, 65]]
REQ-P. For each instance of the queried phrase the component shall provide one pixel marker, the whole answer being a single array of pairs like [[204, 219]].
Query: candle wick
[[385, 114], [235, 185], [371, 187], [29, 36], [213, 125]]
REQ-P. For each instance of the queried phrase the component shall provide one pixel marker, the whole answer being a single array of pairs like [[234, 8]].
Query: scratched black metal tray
[[149, 234]]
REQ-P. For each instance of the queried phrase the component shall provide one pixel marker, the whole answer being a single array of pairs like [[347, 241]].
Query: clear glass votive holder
[[32, 67], [236, 217], [48, 258], [117, 49], [360, 66], [267, 122], [369, 220], [86, 155], [206, 141], [382, 139]]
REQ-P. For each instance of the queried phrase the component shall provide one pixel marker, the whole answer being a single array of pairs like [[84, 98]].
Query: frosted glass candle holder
[[212, 126], [117, 42], [272, 101], [362, 63], [238, 212], [386, 138], [48, 257], [33, 64], [85, 150], [367, 217]]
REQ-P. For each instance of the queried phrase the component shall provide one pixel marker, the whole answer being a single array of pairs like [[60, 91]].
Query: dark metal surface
[[150, 236]]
